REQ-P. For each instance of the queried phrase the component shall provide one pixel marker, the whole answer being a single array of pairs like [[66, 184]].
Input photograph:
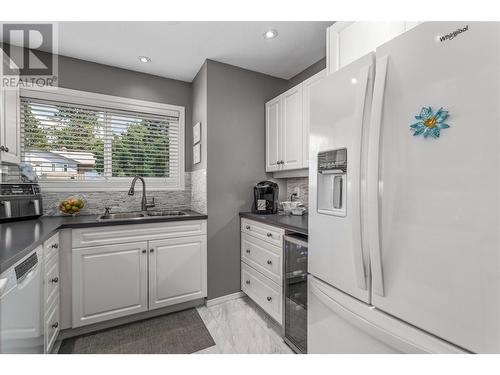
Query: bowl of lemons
[[71, 205]]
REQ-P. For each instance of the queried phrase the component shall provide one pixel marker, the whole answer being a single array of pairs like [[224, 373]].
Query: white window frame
[[120, 103]]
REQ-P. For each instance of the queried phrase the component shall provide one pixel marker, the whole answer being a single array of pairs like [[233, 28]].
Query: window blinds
[[67, 141]]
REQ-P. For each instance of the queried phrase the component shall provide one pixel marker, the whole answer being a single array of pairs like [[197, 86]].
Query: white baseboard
[[229, 297]]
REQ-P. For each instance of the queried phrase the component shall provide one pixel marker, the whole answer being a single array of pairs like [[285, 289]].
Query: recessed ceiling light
[[144, 59], [271, 34]]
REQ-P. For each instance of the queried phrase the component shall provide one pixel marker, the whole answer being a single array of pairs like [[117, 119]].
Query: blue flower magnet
[[430, 123]]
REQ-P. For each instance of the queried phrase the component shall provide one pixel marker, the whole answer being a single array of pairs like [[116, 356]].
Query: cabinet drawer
[[51, 282], [262, 256], [51, 326], [264, 232], [51, 247], [108, 235], [262, 290]]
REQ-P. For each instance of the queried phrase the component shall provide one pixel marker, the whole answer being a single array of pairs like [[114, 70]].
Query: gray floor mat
[[182, 332]]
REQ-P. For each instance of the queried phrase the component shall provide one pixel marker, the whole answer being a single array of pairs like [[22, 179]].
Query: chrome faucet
[[145, 204]]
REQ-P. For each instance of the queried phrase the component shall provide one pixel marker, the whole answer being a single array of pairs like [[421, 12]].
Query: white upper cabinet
[[348, 41], [291, 128], [273, 133], [287, 128], [10, 133], [306, 91]]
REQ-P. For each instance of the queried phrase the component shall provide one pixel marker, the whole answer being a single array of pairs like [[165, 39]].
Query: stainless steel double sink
[[140, 215]]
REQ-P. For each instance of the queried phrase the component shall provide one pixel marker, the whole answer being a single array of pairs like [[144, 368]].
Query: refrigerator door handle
[[373, 185], [359, 262]]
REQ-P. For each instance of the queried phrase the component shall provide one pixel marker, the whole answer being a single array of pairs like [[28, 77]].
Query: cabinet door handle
[[269, 235], [2, 148], [144, 251], [151, 250], [269, 299], [55, 246], [248, 227], [55, 280], [248, 251], [269, 262], [55, 325], [247, 282], [6, 149]]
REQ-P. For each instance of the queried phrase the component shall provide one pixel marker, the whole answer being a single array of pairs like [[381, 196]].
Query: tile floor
[[240, 327]]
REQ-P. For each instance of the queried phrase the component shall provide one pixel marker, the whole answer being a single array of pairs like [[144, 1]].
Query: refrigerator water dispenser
[[332, 182]]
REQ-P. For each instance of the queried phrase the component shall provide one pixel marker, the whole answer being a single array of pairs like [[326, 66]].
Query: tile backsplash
[[302, 183], [199, 191], [95, 202]]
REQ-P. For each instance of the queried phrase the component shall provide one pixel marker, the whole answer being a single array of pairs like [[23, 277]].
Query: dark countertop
[[18, 238], [292, 223]]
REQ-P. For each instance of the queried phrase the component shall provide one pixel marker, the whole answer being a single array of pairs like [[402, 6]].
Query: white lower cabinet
[[261, 265], [51, 326], [117, 279], [109, 282], [51, 290], [177, 270], [263, 291]]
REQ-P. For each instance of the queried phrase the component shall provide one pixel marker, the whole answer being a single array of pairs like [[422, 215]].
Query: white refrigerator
[[404, 222]]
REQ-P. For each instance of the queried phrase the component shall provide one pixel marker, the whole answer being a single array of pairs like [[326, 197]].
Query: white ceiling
[[178, 49]]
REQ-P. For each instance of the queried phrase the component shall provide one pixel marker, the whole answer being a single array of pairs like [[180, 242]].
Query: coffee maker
[[265, 197]]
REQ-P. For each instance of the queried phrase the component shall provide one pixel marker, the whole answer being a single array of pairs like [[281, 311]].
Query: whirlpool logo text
[[453, 34]]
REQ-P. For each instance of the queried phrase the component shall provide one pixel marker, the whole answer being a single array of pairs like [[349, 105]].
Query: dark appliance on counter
[[20, 201], [265, 197], [295, 292]]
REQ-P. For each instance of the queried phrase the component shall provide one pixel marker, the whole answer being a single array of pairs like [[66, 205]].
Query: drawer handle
[[269, 262], [55, 280], [248, 251], [269, 235], [269, 299], [248, 227], [55, 246], [55, 325], [247, 282]]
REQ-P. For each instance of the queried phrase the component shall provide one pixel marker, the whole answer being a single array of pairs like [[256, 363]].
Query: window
[[99, 142]]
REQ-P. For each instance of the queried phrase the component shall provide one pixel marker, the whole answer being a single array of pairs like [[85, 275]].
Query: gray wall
[[307, 72], [236, 161]]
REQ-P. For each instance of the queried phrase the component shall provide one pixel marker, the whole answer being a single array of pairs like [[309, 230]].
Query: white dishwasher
[[21, 315]]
